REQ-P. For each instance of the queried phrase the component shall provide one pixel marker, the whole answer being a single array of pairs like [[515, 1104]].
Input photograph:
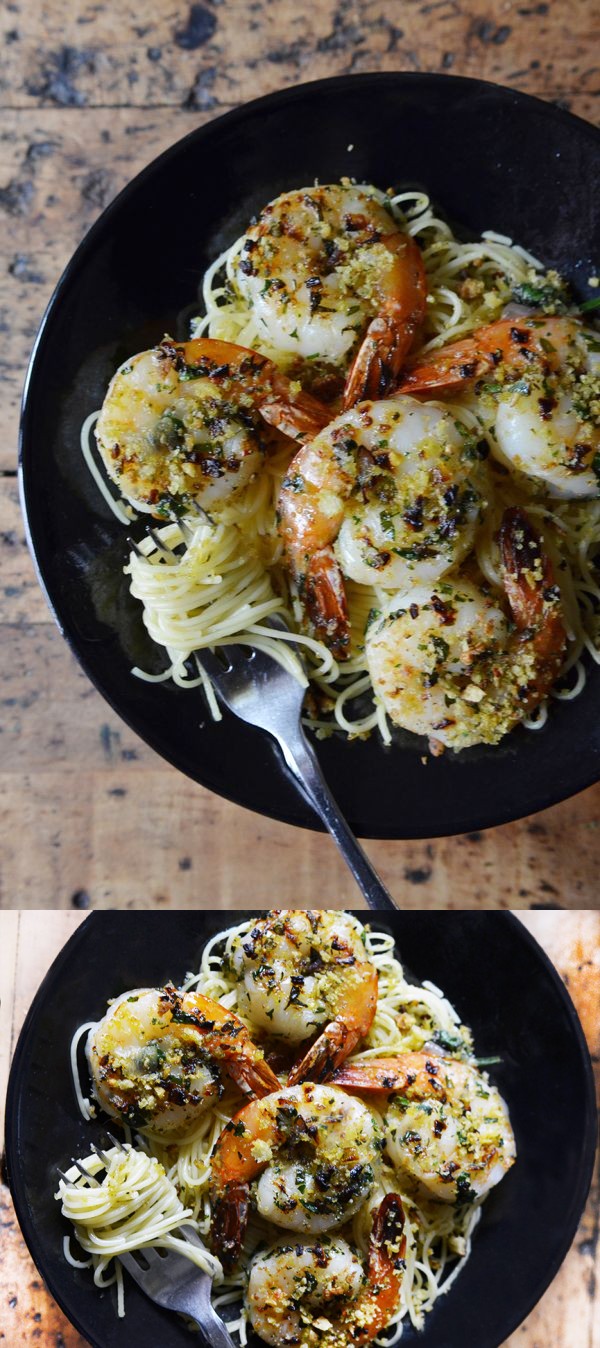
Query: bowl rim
[[553, 793], [15, 1161]]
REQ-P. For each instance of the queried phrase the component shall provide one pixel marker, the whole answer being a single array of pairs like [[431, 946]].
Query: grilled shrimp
[[314, 1152], [450, 663], [322, 265], [541, 380], [445, 1124], [157, 1054], [303, 973], [185, 422], [315, 1293], [389, 493]]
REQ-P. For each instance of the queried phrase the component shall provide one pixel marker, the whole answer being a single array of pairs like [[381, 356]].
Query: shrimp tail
[[321, 1060], [340, 1037], [390, 335], [388, 1241], [324, 596], [534, 599], [449, 368], [296, 414], [282, 403], [410, 1073], [378, 361], [386, 1266], [229, 1219], [459, 364], [253, 1074], [371, 1076], [225, 1036]]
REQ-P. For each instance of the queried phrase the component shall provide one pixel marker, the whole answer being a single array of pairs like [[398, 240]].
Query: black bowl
[[502, 985], [490, 158]]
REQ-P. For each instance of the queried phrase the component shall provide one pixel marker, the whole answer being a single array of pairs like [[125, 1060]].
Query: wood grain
[[566, 1317], [89, 94], [28, 1314]]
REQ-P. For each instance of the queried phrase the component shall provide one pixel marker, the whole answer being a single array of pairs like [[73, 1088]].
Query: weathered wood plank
[[28, 1314], [568, 1313], [205, 55], [28, 945]]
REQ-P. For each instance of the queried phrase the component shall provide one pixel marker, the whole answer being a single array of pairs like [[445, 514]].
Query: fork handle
[[304, 765], [214, 1331]]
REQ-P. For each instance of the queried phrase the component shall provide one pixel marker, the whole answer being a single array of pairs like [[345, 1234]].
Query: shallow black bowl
[[490, 158], [502, 985]]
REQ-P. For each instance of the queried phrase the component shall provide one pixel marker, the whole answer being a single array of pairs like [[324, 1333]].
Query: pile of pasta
[[142, 1190], [206, 580]]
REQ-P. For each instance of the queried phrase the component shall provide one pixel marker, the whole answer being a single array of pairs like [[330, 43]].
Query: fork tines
[[115, 1141], [100, 1154], [82, 1171], [202, 513], [158, 543]]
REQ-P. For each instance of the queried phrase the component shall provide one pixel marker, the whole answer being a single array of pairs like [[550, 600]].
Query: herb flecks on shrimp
[[314, 1152], [327, 270], [390, 493], [452, 664], [337, 1210], [186, 422], [305, 973], [316, 1293], [347, 511], [538, 382], [445, 1125], [157, 1057]]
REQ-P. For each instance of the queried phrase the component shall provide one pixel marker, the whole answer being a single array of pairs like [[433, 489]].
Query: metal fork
[[167, 1277], [256, 688], [179, 1285]]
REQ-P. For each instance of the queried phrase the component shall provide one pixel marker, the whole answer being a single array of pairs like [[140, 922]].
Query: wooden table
[[89, 94], [568, 1316]]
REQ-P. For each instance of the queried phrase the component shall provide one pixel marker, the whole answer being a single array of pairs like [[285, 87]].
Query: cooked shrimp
[[315, 1293], [157, 1054], [389, 493], [304, 972], [292, 1285], [541, 380], [184, 422], [445, 1124], [323, 264], [450, 663], [314, 1152]]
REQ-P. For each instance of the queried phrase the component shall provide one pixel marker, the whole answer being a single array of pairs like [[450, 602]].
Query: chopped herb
[[465, 1193], [542, 296], [294, 483], [387, 524], [452, 1043], [441, 648]]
